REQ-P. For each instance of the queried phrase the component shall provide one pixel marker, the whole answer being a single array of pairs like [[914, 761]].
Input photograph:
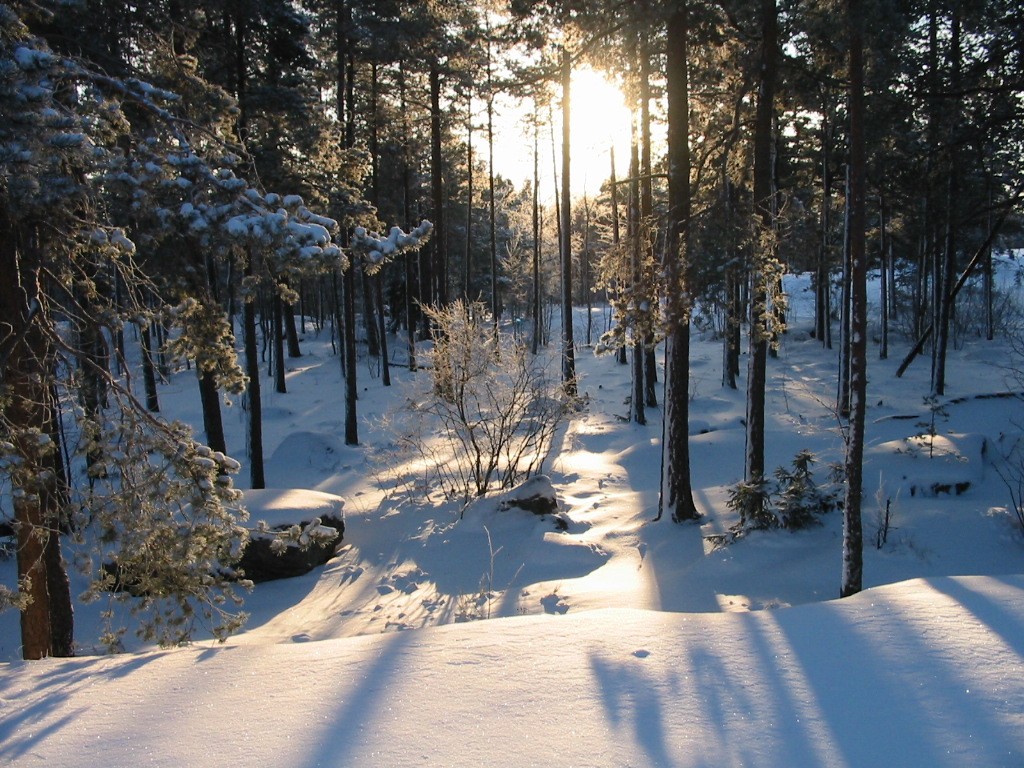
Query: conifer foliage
[[124, 203]]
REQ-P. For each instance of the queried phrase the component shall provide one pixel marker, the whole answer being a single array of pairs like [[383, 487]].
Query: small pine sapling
[[752, 500], [792, 499], [800, 501]]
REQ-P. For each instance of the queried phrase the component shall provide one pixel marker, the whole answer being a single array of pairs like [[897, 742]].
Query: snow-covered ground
[[609, 643]]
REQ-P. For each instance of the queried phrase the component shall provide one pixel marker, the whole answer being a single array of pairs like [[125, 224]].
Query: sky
[[599, 120]]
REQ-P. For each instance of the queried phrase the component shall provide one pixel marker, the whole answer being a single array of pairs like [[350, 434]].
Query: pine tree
[[676, 492]]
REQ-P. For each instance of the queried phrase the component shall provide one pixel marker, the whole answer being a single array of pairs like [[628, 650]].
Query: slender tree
[[852, 576], [565, 241], [676, 496], [764, 225]]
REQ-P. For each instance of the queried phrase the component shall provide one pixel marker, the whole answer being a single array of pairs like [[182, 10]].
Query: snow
[[478, 635], [922, 673]]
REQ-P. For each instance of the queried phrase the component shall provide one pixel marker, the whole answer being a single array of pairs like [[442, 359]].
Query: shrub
[[491, 411], [792, 500]]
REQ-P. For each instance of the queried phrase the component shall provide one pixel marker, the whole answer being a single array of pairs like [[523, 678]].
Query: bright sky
[[599, 119]]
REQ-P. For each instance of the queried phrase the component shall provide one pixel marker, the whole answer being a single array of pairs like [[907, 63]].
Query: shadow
[[631, 702], [995, 617], [670, 551], [794, 710], [912, 689], [24, 728], [361, 703]]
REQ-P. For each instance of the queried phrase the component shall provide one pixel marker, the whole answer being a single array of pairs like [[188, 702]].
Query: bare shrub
[[491, 411]]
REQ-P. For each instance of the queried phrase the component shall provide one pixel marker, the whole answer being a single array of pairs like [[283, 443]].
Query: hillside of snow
[[492, 637]]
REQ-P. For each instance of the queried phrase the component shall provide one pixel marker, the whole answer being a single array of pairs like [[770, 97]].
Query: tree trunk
[[412, 260], [883, 274], [278, 324], [633, 224], [55, 490], [349, 349], [585, 274], [620, 354], [32, 410], [763, 223], [822, 287], [149, 368], [467, 262], [987, 281], [853, 555], [733, 321], [369, 314], [435, 281], [291, 332], [676, 497], [492, 221], [212, 422], [252, 370], [385, 363], [949, 250], [843, 384], [565, 242], [733, 304], [537, 315], [650, 367]]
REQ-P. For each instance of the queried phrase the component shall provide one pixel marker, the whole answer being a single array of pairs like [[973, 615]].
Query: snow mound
[[931, 465], [284, 506], [921, 673], [304, 458]]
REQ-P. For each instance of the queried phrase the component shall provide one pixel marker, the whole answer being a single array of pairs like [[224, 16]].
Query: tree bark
[[278, 341], [31, 410], [149, 368], [537, 314], [413, 259], [633, 223], [883, 270], [467, 262], [351, 392], [949, 249], [853, 566], [650, 365], [763, 224], [822, 287], [252, 370], [291, 331], [435, 281], [213, 425], [565, 241], [676, 497]]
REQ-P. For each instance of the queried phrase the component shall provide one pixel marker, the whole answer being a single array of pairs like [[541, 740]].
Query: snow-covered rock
[[294, 531]]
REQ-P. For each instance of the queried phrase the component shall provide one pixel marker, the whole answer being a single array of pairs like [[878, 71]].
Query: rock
[[260, 562], [536, 495]]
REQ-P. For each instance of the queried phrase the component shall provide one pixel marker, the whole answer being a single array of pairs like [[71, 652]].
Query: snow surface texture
[[922, 673], [616, 642]]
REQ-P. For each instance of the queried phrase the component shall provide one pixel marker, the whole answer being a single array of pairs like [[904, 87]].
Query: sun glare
[[599, 121]]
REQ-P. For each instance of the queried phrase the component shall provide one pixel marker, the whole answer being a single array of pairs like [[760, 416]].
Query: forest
[[196, 185], [512, 382]]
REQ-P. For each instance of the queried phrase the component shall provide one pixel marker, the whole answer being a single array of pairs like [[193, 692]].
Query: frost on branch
[[293, 240], [169, 523], [489, 415], [377, 249]]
